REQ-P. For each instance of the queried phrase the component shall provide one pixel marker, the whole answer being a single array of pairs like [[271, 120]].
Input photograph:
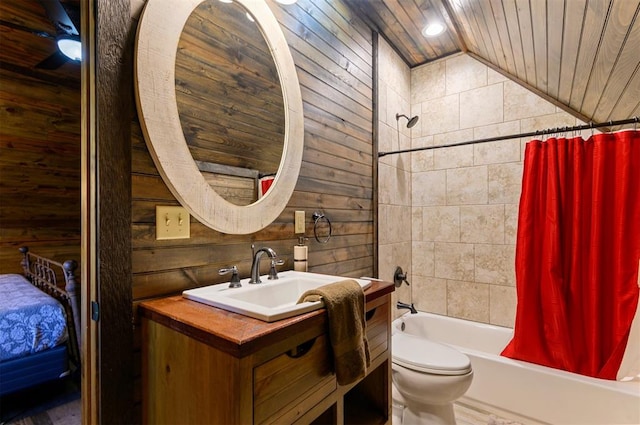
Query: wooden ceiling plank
[[540, 25], [446, 10], [485, 34], [502, 29], [555, 31], [593, 24], [407, 15], [379, 16], [515, 40], [526, 33], [483, 49], [468, 34], [627, 105], [490, 20], [445, 43], [616, 33], [574, 15], [623, 90]]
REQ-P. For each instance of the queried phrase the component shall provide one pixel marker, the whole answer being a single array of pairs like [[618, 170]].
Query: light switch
[[172, 223], [299, 222]]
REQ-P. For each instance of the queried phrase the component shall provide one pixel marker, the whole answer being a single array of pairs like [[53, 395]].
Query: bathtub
[[523, 391]]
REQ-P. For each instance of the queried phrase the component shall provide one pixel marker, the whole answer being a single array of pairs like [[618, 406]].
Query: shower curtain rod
[[634, 120]]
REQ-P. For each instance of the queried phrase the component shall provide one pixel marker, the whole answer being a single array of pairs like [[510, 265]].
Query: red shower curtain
[[577, 253]]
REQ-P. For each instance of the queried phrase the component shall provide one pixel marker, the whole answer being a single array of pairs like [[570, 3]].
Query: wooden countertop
[[231, 332]]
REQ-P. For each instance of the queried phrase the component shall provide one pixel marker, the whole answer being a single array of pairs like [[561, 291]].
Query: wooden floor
[[66, 414]]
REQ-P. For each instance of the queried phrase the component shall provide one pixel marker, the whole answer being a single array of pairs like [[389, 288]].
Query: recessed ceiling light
[[433, 29], [286, 1]]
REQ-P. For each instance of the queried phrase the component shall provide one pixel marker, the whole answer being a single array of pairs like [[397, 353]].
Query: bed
[[39, 323]]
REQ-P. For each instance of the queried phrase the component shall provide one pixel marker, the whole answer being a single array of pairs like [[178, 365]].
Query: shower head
[[412, 121]]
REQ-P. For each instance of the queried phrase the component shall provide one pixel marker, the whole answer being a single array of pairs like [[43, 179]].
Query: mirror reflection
[[229, 100]]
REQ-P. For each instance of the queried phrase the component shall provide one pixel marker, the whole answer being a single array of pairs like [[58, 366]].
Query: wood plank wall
[[39, 146], [332, 50]]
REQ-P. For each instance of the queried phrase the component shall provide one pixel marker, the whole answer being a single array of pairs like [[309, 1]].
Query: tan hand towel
[[344, 302]]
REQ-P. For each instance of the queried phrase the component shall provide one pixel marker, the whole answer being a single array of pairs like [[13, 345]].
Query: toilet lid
[[426, 356]]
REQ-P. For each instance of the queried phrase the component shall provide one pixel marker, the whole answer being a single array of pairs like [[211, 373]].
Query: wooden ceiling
[[580, 54]]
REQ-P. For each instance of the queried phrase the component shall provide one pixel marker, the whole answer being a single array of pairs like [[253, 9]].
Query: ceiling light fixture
[[70, 46], [433, 29], [286, 2]]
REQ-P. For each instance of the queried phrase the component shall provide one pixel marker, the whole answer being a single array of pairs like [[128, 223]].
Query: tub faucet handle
[[399, 276]]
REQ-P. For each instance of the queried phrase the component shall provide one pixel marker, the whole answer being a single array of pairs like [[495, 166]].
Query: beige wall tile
[[494, 264], [467, 186], [458, 136], [482, 223], [497, 152], [505, 183], [439, 115], [430, 294], [393, 255], [394, 185], [468, 300], [422, 260], [502, 301], [510, 223], [428, 82], [543, 122], [453, 261], [494, 77], [416, 224], [455, 157], [521, 103], [441, 223], [422, 161], [429, 188], [481, 106], [464, 73], [393, 224]]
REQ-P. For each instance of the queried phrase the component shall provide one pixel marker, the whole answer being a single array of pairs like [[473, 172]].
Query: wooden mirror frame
[[157, 40]]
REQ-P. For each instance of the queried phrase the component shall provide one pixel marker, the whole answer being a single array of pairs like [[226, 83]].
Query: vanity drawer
[[292, 379], [378, 330]]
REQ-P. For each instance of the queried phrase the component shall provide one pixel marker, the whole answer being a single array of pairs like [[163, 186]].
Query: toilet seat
[[426, 356]]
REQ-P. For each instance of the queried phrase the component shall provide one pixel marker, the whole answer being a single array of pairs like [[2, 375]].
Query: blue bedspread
[[30, 320]]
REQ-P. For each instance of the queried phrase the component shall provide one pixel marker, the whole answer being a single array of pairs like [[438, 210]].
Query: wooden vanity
[[210, 366]]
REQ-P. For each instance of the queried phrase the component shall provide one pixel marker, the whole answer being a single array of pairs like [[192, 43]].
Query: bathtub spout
[[407, 306]]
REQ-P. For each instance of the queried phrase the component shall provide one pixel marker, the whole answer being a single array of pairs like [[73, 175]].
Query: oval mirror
[[176, 140]]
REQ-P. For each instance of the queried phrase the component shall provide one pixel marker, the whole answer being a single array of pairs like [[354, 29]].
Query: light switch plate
[[299, 222], [172, 223]]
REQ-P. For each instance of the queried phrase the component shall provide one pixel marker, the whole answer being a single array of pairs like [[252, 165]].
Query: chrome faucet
[[255, 265]]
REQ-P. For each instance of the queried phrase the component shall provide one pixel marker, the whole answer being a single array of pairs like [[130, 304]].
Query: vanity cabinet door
[[288, 385], [378, 329]]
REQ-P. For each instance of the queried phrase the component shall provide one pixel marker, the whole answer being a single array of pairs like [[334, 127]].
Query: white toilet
[[427, 378]]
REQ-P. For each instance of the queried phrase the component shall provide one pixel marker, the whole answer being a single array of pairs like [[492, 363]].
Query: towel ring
[[319, 218]]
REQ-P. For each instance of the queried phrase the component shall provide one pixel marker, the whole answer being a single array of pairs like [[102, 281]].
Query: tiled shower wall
[[465, 199], [459, 241], [394, 171]]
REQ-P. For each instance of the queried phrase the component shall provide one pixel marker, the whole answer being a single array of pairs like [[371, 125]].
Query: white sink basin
[[270, 300]]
